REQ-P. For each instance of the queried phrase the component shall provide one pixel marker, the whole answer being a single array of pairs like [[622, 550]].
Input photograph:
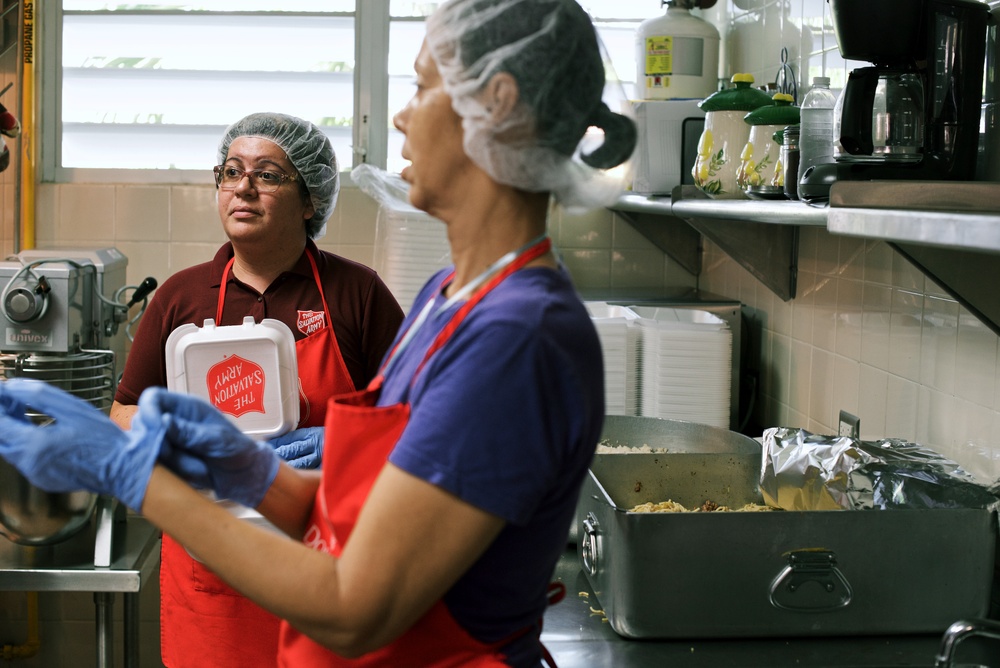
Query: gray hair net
[[550, 47], [309, 151]]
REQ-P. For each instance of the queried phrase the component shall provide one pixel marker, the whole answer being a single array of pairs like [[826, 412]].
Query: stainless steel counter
[[577, 637], [69, 566]]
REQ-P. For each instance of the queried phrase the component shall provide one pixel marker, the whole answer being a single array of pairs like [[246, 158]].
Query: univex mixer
[[61, 321]]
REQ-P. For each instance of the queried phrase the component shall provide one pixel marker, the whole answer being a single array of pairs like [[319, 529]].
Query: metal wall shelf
[[949, 230]]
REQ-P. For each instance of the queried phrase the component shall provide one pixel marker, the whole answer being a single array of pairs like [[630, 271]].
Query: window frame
[[369, 132], [371, 81]]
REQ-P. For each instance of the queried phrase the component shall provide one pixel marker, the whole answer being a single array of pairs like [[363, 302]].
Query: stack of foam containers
[[686, 364], [621, 363]]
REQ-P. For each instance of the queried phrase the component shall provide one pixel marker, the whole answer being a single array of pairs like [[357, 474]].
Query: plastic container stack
[[665, 362]]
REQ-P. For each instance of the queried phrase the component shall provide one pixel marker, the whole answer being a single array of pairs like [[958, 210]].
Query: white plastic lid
[[249, 372]]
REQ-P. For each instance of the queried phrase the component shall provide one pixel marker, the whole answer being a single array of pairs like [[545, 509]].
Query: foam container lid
[[248, 371]]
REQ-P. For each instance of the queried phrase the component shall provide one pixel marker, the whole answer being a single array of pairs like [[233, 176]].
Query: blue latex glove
[[301, 448], [82, 449], [208, 450]]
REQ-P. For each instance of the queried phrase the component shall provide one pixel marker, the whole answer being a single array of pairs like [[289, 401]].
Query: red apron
[[436, 640], [203, 621]]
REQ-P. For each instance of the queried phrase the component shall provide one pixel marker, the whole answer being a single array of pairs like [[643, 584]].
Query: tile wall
[[866, 333]]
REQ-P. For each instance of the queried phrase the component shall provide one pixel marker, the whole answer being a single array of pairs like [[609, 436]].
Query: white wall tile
[[194, 215], [589, 269], [799, 381], [939, 343], [905, 276], [872, 401], [876, 303], [846, 384], [905, 320], [824, 312], [598, 229], [976, 362], [779, 367], [851, 258], [878, 263], [84, 212], [142, 213], [822, 387], [357, 213], [633, 268], [850, 318], [901, 408]]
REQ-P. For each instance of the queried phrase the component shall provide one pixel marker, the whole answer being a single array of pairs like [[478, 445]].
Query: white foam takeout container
[[248, 371]]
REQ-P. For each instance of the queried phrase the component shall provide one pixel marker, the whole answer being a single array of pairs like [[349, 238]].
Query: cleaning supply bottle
[[816, 127], [677, 54]]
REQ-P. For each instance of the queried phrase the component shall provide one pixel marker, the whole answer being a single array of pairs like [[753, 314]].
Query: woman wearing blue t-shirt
[[448, 484]]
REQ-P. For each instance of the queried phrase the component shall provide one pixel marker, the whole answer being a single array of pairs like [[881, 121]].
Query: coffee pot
[[879, 117], [914, 113]]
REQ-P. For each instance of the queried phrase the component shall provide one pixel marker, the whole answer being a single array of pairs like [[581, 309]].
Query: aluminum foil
[[804, 471]]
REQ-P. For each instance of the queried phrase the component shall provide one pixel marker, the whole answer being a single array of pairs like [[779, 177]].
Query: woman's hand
[[302, 448], [208, 450], [80, 448]]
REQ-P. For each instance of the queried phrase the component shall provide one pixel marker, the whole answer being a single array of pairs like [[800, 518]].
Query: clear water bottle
[[816, 126]]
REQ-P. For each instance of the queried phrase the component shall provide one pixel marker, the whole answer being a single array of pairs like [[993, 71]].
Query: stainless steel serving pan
[[767, 574]]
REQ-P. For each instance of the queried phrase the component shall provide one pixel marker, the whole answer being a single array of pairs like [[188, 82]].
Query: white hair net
[[552, 51], [309, 151]]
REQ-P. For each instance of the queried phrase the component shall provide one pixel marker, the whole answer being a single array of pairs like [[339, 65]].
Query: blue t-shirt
[[506, 416]]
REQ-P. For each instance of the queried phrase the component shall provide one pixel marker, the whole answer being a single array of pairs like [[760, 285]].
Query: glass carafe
[[898, 117], [879, 117]]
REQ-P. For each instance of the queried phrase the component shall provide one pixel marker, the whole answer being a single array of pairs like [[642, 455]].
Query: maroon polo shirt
[[364, 313]]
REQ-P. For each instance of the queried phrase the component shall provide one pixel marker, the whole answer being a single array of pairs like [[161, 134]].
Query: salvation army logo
[[310, 321], [236, 386]]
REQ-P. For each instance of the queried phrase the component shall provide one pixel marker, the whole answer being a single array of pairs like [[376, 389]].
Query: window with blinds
[[152, 86]]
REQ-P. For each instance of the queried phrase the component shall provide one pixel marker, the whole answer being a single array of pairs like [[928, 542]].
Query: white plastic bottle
[[816, 126], [677, 55]]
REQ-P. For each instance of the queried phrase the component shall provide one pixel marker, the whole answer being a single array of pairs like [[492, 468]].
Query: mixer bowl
[[30, 516]]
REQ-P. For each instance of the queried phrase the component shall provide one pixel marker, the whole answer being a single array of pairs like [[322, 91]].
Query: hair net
[[309, 151], [551, 49]]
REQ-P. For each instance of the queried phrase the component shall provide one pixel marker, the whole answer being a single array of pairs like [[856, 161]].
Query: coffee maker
[[914, 113]]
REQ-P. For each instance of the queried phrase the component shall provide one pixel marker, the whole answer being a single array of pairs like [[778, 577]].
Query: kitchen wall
[[866, 333]]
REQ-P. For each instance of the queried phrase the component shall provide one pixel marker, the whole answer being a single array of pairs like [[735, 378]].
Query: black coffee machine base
[[815, 185]]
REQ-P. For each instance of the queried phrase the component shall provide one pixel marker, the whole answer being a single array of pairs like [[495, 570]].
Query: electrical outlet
[[850, 425]]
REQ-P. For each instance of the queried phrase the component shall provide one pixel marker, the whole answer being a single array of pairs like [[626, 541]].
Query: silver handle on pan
[[961, 630], [813, 565], [590, 546]]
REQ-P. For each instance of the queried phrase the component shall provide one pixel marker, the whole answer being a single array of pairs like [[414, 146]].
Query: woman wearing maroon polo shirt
[[277, 185]]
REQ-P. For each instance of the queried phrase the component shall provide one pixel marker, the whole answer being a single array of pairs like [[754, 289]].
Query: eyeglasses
[[228, 177]]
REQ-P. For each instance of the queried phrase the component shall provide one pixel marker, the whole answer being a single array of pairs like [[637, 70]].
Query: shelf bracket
[[970, 277], [769, 252], [671, 235]]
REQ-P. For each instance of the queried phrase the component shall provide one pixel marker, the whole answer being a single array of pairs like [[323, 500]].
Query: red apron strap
[[319, 286], [535, 251], [225, 279], [222, 291]]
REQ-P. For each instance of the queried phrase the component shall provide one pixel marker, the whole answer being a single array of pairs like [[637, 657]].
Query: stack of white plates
[[410, 246], [621, 365], [686, 362]]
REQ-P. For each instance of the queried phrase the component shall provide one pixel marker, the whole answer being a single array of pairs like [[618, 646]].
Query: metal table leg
[[104, 602], [131, 630]]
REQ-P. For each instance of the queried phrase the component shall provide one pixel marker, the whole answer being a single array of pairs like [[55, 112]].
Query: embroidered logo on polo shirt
[[310, 321]]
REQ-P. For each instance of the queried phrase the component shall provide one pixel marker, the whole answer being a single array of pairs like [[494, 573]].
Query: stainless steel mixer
[[61, 316]]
